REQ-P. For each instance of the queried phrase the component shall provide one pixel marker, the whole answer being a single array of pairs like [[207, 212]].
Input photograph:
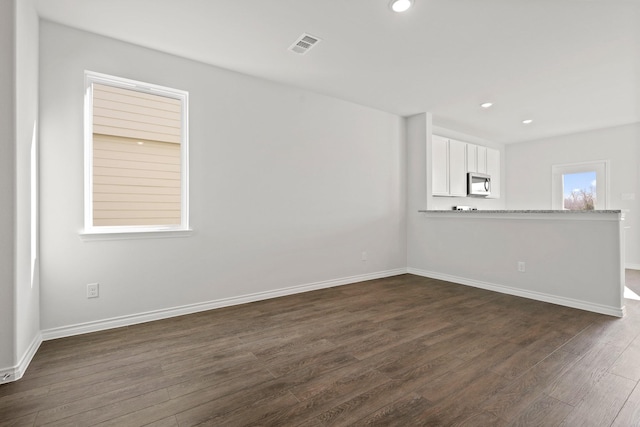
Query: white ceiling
[[570, 65]]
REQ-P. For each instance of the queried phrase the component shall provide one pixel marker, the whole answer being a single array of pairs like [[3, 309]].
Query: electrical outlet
[[92, 290], [364, 256], [521, 266]]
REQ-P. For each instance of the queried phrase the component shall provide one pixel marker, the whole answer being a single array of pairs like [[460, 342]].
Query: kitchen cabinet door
[[482, 159], [493, 169], [457, 168], [472, 158], [439, 166]]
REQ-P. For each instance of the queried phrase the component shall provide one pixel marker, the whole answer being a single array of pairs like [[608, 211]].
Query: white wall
[[529, 172], [287, 188], [7, 181], [27, 307], [570, 259], [20, 302]]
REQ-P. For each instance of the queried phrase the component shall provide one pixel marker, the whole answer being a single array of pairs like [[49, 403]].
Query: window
[[579, 191], [136, 156], [580, 186]]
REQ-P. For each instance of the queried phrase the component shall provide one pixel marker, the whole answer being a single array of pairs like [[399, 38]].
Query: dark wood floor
[[399, 351]]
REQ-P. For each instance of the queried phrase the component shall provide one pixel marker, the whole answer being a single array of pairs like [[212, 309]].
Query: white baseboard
[[133, 319], [632, 266], [538, 296], [16, 372]]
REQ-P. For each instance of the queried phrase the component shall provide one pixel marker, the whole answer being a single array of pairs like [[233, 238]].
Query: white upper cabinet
[[482, 159], [457, 168], [476, 158], [439, 166], [451, 160], [472, 158], [493, 169]]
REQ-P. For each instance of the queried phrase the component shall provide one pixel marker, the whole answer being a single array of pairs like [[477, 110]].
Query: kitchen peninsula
[[571, 258]]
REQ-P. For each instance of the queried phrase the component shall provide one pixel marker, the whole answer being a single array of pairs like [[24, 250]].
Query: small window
[[136, 156], [579, 191], [580, 186]]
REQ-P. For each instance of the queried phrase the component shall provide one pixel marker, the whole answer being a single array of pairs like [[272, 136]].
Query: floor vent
[[304, 43]]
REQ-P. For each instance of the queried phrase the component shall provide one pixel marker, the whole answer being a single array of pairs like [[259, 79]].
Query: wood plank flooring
[[400, 351]]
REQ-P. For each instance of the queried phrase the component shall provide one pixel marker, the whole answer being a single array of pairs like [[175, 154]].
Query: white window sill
[[90, 236]]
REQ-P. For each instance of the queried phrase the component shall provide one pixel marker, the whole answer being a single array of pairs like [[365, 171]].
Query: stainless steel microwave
[[478, 184]]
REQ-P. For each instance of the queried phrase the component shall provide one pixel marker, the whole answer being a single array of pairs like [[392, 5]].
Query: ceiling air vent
[[304, 43]]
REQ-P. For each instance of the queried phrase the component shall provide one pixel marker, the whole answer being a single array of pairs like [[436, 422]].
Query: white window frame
[[134, 231], [601, 167]]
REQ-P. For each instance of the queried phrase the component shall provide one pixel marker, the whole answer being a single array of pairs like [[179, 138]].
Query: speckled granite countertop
[[530, 211]]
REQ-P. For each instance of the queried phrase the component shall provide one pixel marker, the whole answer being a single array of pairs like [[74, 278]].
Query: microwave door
[[479, 185]]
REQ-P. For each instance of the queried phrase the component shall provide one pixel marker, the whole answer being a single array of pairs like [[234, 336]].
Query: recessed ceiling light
[[486, 104], [400, 5], [526, 122]]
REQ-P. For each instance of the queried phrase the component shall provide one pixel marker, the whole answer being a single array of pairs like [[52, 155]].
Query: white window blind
[[135, 181], [137, 159]]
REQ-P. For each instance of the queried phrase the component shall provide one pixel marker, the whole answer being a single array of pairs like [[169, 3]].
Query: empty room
[[337, 212]]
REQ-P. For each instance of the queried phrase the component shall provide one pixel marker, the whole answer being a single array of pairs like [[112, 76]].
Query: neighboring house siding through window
[[137, 174]]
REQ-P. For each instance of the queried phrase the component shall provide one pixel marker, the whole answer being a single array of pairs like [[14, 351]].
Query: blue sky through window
[[578, 181]]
